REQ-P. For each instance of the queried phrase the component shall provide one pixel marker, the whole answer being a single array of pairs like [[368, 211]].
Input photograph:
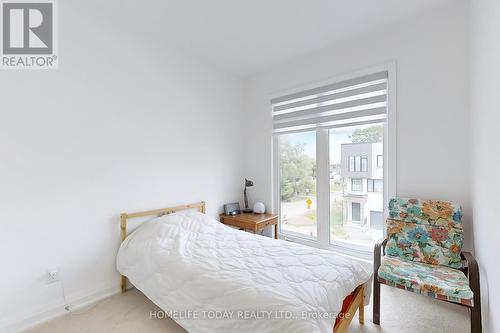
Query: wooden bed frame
[[358, 302], [341, 326], [152, 213]]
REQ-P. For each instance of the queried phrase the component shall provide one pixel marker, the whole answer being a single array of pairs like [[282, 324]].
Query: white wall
[[432, 55], [122, 125], [485, 119]]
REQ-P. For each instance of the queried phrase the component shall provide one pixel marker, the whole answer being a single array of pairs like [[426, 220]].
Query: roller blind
[[361, 100]]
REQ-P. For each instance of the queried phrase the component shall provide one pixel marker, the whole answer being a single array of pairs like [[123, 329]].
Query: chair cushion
[[432, 212], [440, 282], [424, 243], [427, 231]]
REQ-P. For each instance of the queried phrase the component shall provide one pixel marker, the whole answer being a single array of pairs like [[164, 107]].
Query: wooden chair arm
[[380, 244], [469, 260], [472, 273], [377, 251]]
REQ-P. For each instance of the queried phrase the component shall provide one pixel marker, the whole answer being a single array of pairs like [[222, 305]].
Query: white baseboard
[[51, 311]]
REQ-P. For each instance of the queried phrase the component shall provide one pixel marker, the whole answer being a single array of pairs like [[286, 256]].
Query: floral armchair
[[423, 254]]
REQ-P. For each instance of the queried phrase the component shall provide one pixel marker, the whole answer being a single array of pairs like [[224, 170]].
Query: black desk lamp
[[248, 183]]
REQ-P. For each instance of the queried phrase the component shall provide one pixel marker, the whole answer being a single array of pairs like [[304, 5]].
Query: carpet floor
[[401, 311]]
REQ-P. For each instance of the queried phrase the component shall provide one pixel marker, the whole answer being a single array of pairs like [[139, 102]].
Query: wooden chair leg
[[377, 251], [475, 320], [376, 301], [361, 312]]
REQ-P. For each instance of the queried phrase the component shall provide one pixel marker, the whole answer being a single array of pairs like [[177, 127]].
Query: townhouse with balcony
[[362, 172]]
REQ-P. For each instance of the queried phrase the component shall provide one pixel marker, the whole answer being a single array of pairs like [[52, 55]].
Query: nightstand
[[251, 222]]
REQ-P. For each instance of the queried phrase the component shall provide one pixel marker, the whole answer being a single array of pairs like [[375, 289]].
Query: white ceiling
[[250, 36]]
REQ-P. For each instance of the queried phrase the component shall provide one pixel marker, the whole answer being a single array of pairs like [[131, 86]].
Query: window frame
[[368, 182], [352, 184], [357, 163], [351, 164], [373, 181], [322, 160], [377, 181], [380, 165], [364, 158]]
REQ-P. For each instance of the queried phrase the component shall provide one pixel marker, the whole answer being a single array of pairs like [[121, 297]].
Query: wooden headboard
[[152, 213]]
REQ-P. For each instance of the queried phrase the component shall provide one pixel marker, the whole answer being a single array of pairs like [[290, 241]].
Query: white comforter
[[200, 268]]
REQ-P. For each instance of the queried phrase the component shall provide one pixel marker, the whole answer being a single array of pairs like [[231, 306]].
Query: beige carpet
[[402, 311]]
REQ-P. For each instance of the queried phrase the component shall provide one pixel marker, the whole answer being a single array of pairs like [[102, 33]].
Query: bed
[[212, 278]]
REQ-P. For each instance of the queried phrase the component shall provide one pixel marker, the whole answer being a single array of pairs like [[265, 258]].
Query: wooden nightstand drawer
[[251, 222]]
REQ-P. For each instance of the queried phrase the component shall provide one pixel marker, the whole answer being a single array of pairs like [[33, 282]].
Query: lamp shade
[[259, 208]]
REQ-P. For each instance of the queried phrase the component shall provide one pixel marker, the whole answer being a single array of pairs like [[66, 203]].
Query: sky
[[338, 136]]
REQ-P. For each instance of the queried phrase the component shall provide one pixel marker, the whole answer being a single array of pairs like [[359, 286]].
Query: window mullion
[[276, 207], [323, 187]]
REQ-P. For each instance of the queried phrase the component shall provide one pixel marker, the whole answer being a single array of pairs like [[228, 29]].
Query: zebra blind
[[361, 100]]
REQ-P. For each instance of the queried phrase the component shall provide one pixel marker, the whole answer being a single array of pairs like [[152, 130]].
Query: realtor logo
[[28, 35]]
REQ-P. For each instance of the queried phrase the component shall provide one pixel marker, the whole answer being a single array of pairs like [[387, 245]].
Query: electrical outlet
[[52, 275]]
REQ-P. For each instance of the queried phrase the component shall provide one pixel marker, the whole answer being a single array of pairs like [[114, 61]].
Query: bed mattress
[[212, 278]]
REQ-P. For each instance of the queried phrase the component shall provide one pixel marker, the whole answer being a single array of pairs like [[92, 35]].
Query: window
[[375, 185], [298, 183], [351, 163], [376, 220], [356, 184], [344, 209], [322, 136], [364, 164], [380, 161], [357, 163]]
